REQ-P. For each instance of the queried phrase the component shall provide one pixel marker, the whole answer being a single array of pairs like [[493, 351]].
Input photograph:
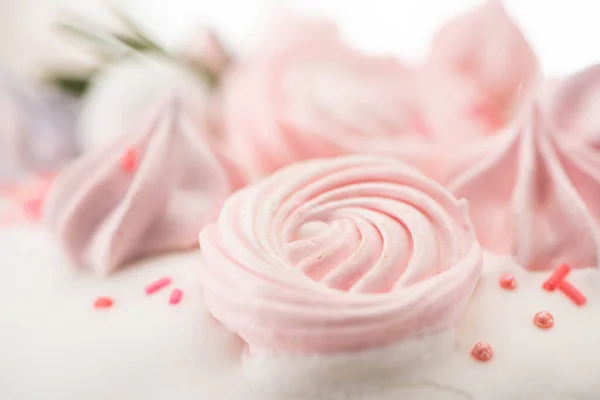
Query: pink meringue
[[486, 46], [334, 255], [206, 50], [36, 129], [537, 195], [107, 211], [305, 94], [137, 82]]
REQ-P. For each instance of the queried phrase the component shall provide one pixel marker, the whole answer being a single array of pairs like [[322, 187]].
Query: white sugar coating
[[55, 345]]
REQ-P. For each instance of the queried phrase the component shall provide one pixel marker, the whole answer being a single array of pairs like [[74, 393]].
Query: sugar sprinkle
[[175, 297], [158, 285]]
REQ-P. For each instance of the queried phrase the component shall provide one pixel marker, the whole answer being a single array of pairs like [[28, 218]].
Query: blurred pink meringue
[[305, 94], [23, 201], [479, 70], [148, 192], [149, 178], [37, 132], [206, 50], [537, 194], [488, 48], [126, 90]]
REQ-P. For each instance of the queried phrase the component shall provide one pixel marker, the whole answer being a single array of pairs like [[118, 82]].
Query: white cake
[[56, 345]]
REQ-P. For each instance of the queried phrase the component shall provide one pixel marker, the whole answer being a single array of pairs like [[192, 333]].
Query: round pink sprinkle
[[129, 160], [543, 320], [176, 296], [482, 351], [508, 282]]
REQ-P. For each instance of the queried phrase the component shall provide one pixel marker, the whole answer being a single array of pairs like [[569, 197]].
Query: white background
[[564, 33]]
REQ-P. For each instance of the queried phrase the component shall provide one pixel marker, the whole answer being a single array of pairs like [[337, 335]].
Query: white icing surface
[[55, 345]]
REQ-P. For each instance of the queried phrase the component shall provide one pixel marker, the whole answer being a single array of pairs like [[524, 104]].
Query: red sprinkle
[[103, 302], [176, 296], [508, 282], [158, 285], [559, 274], [571, 291], [543, 320], [482, 351], [34, 208], [129, 160]]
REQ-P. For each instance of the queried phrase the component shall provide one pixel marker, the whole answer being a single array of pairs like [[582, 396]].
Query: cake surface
[[55, 345]]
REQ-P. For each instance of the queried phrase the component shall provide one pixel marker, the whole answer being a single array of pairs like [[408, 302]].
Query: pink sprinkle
[[559, 274], [129, 160], [572, 293], [103, 302], [158, 285], [508, 282], [543, 320], [34, 208], [482, 351], [176, 296]]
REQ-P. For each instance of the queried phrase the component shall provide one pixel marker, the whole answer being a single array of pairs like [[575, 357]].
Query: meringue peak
[[107, 213], [536, 196]]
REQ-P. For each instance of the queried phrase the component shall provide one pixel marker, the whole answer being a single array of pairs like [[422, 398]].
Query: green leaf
[[141, 37], [207, 75], [105, 43], [82, 33], [115, 46], [133, 43], [72, 85]]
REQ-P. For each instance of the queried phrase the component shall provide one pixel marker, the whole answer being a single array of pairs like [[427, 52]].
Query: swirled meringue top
[[149, 192], [537, 194], [340, 254]]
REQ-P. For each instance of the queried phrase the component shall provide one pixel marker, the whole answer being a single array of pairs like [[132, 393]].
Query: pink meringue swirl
[[105, 215], [337, 255]]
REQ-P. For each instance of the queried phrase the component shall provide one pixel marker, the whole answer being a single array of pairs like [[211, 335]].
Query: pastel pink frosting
[[536, 194], [335, 255], [149, 192], [303, 93]]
